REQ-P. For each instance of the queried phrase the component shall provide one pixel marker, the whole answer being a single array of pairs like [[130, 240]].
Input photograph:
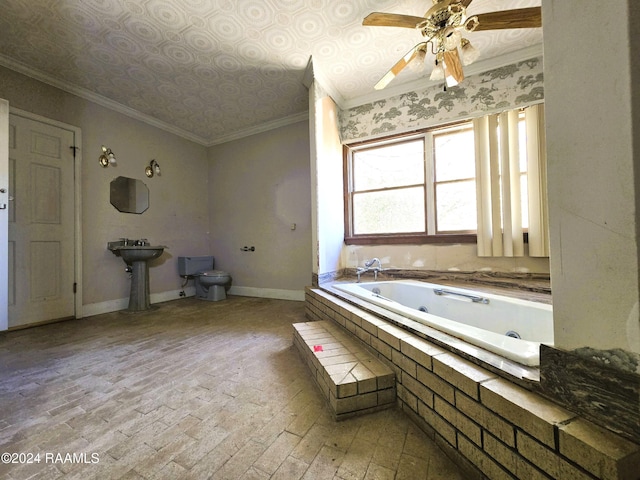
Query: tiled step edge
[[350, 377]]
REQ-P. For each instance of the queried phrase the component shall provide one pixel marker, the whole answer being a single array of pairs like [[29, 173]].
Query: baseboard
[[280, 294], [172, 295], [122, 303], [103, 307]]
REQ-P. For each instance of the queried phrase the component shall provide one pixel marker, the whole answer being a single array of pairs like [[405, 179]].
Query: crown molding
[[424, 82], [98, 99], [130, 112], [264, 127]]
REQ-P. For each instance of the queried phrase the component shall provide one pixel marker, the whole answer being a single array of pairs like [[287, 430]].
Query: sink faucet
[[368, 265]]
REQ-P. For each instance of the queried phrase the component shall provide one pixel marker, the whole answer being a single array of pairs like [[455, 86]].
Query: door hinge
[[75, 287], [74, 148]]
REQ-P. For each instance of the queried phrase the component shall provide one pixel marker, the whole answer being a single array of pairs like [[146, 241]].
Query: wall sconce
[[152, 168], [107, 157]]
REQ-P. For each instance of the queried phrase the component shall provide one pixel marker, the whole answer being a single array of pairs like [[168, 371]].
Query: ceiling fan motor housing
[[444, 13]]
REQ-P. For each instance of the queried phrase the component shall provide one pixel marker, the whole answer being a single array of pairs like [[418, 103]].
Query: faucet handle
[[368, 263]]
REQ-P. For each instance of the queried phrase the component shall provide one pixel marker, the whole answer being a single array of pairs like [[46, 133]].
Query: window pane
[[454, 154], [389, 166], [456, 206], [393, 211]]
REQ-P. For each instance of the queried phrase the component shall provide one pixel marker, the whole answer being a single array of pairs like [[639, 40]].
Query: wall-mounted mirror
[[129, 195]]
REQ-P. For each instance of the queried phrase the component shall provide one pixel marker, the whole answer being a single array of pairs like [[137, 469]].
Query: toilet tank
[[194, 265]]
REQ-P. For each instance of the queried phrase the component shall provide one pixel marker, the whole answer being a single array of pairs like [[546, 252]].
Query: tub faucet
[[369, 263], [368, 266]]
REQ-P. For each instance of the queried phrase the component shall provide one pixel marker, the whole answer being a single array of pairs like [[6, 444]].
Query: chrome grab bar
[[377, 295], [473, 298]]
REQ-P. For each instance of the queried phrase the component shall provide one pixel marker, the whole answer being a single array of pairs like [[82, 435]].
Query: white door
[[4, 213], [41, 222]]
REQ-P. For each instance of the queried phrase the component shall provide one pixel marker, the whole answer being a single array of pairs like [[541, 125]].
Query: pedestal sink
[[138, 256]]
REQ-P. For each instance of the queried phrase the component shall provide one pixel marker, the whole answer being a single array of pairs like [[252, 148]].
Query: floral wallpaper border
[[505, 88]]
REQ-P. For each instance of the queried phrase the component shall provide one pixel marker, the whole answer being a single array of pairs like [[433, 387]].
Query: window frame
[[429, 192]]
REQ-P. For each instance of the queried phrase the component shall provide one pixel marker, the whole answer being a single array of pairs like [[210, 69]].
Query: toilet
[[210, 283]]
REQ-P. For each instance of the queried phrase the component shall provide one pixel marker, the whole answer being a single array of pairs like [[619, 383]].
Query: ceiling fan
[[443, 26]]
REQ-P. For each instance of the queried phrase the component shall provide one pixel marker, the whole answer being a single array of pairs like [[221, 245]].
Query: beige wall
[[178, 212], [259, 187]]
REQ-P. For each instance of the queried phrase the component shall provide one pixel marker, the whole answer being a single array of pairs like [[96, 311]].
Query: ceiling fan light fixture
[[451, 38], [468, 52], [443, 26], [437, 73], [417, 64]]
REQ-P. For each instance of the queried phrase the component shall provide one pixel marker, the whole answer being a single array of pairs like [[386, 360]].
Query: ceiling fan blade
[[399, 66], [378, 19], [453, 73], [518, 18]]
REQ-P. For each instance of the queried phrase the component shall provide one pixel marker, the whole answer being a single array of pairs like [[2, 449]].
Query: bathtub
[[507, 326]]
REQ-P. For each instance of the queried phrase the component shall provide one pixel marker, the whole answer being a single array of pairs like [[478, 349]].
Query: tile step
[[350, 377]]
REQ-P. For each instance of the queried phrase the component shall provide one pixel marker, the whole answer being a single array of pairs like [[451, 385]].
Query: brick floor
[[190, 389]]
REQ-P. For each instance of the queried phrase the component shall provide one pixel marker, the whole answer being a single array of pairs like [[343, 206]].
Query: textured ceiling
[[213, 70]]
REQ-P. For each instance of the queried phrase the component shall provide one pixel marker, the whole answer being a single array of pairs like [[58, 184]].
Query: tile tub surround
[[351, 378], [481, 419]]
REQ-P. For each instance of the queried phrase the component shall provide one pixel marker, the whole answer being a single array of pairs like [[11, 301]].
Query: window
[[415, 188], [389, 188], [454, 180], [421, 188]]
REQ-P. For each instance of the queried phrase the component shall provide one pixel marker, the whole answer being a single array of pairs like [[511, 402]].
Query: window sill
[[410, 239]]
